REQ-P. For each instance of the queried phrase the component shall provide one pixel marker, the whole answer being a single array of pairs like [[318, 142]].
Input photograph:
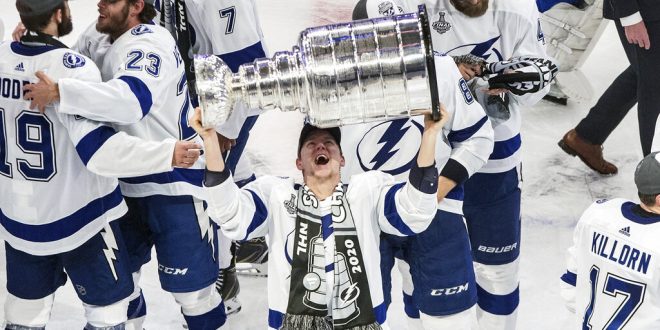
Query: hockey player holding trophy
[[320, 230]]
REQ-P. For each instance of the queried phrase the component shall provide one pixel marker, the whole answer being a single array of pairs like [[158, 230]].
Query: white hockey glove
[[521, 75]]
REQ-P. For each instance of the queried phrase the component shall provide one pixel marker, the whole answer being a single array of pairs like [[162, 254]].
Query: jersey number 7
[[230, 13]]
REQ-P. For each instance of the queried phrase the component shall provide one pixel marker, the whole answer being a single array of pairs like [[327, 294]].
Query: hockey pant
[[438, 265], [185, 242], [492, 214], [103, 284]]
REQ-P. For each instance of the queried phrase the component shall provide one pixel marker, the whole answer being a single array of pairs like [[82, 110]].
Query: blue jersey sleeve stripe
[[64, 227], [245, 55], [505, 149], [241, 143], [192, 176], [569, 278], [260, 214], [466, 133], [141, 91], [391, 212], [90, 143]]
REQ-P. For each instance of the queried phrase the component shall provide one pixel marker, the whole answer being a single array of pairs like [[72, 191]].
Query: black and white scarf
[[352, 308]]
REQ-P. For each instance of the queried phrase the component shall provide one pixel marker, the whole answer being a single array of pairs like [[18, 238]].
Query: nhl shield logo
[[441, 25]]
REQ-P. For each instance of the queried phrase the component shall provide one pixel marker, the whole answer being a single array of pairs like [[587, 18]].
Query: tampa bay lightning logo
[[141, 29], [72, 60], [485, 50], [390, 147]]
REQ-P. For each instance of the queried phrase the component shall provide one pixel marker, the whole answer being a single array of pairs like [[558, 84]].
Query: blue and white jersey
[[614, 268], [53, 199], [392, 146], [267, 206], [509, 28], [144, 94], [231, 30]]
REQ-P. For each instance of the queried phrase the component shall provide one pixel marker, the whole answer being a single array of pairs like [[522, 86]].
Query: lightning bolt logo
[[111, 246], [205, 227], [349, 295], [389, 140]]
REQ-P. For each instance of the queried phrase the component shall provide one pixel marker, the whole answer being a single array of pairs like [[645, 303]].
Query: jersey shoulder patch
[[73, 60], [141, 29]]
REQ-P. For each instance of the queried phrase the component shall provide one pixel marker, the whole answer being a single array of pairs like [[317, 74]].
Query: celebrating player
[[323, 236], [145, 93], [612, 267], [230, 30], [438, 276], [491, 31], [56, 213]]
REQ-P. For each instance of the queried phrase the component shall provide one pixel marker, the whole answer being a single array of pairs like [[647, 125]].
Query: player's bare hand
[[638, 35], [433, 126], [196, 123], [185, 154], [469, 71], [43, 93], [18, 32]]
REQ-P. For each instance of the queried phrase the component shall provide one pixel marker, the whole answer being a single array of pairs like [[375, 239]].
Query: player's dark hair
[[648, 200], [37, 22], [148, 12]]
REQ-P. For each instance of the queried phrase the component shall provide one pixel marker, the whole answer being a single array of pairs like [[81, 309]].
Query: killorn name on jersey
[[621, 253]]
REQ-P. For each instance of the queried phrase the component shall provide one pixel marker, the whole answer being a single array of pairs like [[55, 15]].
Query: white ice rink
[[556, 187]]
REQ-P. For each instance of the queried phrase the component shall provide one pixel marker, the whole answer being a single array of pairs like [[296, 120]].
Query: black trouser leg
[[615, 102], [648, 88]]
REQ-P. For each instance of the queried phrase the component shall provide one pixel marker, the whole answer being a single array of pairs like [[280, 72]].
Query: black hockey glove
[[530, 74]]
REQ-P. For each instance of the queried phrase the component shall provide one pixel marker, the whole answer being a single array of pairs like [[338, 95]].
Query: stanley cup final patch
[[441, 25]]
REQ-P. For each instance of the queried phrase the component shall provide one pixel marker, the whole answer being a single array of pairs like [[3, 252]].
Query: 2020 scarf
[[307, 309]]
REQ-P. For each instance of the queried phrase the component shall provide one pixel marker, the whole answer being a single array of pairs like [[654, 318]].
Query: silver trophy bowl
[[339, 74]]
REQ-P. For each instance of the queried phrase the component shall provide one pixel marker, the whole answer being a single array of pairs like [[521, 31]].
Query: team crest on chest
[[441, 25]]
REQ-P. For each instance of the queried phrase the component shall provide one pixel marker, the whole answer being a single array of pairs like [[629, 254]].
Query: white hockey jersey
[[267, 206], [392, 146], [509, 28], [613, 275], [144, 94], [231, 30], [52, 199]]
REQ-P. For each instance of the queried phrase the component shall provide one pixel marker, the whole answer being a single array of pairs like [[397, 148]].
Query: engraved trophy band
[[339, 74]]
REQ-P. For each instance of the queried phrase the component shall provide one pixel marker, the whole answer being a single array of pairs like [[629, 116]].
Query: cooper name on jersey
[[620, 252]]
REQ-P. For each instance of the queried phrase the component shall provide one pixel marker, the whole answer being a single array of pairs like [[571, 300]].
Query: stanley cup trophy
[[339, 74]]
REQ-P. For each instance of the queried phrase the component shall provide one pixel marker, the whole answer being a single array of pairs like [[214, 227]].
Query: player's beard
[[115, 25], [469, 9], [66, 26]]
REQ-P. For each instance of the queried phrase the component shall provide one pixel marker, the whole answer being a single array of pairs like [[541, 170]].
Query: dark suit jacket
[[615, 9]]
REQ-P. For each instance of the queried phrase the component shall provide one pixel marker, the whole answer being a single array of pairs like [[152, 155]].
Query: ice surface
[[556, 187]]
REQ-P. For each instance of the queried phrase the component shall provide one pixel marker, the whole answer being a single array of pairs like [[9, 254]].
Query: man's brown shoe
[[590, 154]]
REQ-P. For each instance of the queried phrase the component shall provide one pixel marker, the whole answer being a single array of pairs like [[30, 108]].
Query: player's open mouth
[[321, 160]]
